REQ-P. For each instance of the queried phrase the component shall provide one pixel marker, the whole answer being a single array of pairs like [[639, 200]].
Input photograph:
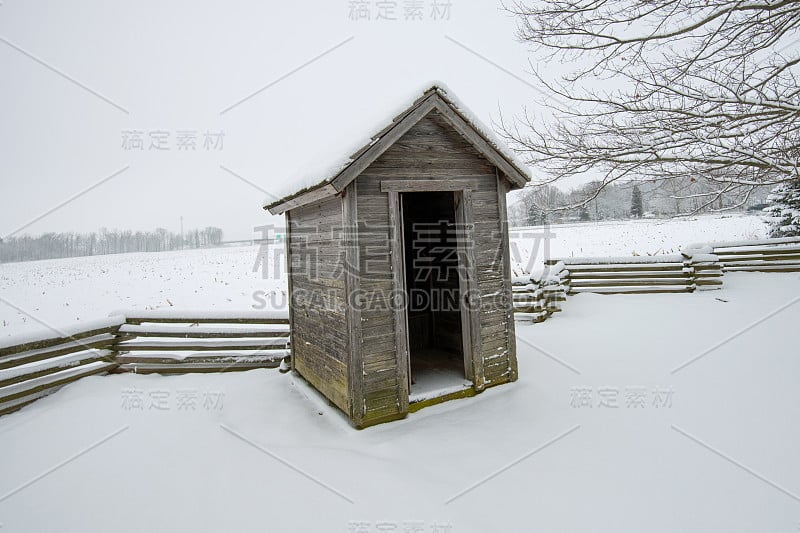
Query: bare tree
[[538, 203], [665, 90]]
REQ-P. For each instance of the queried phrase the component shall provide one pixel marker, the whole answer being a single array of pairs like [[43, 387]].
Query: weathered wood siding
[[380, 394], [319, 324], [431, 150]]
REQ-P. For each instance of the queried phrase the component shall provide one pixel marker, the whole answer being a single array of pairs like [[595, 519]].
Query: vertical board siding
[[319, 323], [503, 186], [378, 335], [353, 319]]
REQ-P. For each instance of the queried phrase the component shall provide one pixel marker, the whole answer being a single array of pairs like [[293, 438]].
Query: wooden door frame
[[468, 289], [467, 269], [397, 252]]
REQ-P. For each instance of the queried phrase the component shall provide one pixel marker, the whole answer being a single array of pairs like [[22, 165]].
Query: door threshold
[[417, 401]]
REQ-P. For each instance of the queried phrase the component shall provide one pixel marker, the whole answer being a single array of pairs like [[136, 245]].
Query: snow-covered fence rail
[[537, 299], [166, 342], [765, 255], [32, 367], [685, 272]]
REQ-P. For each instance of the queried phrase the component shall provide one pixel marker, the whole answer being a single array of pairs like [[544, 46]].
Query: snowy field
[[531, 245], [706, 446], [62, 292]]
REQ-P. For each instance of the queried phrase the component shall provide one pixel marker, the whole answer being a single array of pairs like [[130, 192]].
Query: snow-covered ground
[[706, 446], [531, 245], [62, 292]]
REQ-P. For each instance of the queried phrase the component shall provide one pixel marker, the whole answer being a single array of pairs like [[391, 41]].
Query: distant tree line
[[105, 241], [537, 205]]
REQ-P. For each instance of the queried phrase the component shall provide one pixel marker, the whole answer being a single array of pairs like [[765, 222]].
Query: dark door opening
[[436, 352]]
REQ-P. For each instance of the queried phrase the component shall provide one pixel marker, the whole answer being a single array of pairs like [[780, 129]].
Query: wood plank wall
[[319, 334]]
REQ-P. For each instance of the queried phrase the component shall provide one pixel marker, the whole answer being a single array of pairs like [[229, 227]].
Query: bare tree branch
[[664, 90]]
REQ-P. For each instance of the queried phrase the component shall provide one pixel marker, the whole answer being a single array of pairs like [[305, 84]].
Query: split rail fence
[[766, 255], [163, 342], [141, 342], [36, 367], [698, 267], [537, 299], [201, 342], [635, 275]]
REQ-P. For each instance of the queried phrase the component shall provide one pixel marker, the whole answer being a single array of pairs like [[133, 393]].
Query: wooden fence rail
[[201, 342], [144, 342], [537, 299], [765, 255], [36, 367], [685, 272]]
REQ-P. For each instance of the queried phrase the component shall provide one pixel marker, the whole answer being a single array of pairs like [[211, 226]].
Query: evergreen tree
[[637, 209], [784, 214], [536, 215], [584, 214]]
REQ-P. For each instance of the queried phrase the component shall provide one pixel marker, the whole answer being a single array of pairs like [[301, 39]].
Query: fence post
[[705, 268], [689, 272]]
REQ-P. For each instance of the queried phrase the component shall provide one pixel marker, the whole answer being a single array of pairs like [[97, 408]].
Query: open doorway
[[431, 260]]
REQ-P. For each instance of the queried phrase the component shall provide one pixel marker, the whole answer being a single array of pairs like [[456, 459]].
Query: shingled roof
[[438, 98]]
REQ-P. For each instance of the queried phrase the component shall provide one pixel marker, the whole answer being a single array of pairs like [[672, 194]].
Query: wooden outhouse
[[398, 266]]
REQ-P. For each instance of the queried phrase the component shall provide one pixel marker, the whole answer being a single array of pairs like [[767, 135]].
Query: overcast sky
[[90, 90]]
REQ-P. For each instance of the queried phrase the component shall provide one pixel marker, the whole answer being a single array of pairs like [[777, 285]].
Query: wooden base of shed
[[415, 406]]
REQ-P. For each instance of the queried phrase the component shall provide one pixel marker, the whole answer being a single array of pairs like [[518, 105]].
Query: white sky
[[176, 66]]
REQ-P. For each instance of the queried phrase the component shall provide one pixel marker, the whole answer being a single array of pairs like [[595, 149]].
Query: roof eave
[[306, 196]]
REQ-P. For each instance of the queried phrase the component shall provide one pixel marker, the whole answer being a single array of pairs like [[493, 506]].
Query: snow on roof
[[364, 129]]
